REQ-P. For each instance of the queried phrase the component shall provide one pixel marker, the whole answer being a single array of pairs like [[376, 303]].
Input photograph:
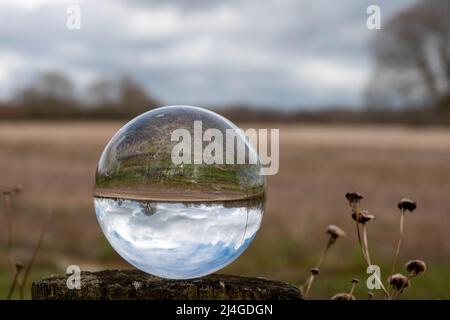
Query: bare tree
[[51, 95], [103, 93], [133, 99], [412, 58]]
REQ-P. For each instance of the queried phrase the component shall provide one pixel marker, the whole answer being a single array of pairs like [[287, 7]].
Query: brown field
[[55, 163]]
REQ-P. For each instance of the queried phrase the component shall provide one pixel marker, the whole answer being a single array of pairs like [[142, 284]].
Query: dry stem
[[397, 253], [33, 257], [310, 279], [365, 247], [8, 217], [14, 282], [366, 244], [352, 288]]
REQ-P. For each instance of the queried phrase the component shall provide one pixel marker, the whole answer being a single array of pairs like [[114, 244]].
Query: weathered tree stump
[[137, 285]]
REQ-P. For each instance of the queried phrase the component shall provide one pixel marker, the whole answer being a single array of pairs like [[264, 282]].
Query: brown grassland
[[55, 164]]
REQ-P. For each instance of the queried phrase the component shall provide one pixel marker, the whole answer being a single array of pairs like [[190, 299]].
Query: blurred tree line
[[53, 96]]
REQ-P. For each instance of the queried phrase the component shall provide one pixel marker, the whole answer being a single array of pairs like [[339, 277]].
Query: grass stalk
[[308, 283], [28, 267], [397, 252], [17, 270], [366, 243], [8, 218], [352, 289]]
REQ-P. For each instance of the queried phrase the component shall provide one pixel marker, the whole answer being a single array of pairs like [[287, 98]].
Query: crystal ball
[[173, 195]]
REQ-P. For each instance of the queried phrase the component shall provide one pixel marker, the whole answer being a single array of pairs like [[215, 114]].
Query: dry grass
[[55, 163], [397, 281]]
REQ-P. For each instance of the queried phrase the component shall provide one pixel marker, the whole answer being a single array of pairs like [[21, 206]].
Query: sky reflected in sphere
[[177, 240]]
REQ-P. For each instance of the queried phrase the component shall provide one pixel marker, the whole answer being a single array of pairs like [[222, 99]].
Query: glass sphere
[[175, 218]]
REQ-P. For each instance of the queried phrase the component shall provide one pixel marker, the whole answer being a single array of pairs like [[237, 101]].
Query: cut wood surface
[[136, 285]]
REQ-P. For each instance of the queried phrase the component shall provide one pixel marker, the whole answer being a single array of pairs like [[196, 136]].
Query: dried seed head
[[18, 265], [353, 197], [369, 295], [416, 267], [315, 271], [398, 281], [335, 231], [355, 280], [6, 192], [343, 296], [363, 216], [18, 189], [407, 204]]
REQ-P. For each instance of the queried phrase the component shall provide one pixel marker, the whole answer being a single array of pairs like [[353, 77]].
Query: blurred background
[[358, 110]]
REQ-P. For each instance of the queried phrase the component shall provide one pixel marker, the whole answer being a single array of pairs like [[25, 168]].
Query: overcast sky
[[283, 53]]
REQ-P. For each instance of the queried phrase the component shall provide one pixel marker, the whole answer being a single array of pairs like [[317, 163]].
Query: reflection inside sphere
[[179, 240]]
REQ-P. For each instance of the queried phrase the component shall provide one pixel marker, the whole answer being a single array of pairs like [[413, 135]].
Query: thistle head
[[315, 271], [334, 232], [343, 296], [407, 205], [353, 197], [363, 216], [416, 267], [398, 281]]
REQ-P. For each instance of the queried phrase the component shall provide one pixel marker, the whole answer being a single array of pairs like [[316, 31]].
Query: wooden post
[[134, 284]]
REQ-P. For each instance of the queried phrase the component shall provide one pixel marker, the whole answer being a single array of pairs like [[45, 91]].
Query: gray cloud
[[284, 53]]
